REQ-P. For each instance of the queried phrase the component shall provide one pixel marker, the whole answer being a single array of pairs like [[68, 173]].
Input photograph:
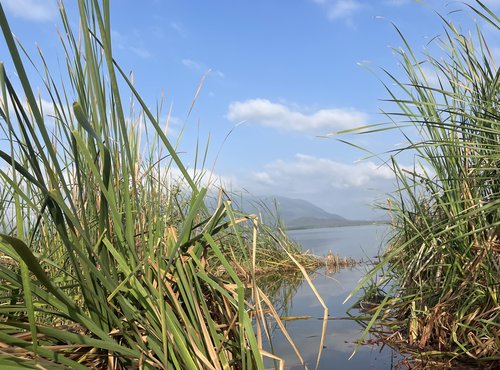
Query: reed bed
[[273, 253], [106, 259], [333, 262], [439, 279], [273, 257]]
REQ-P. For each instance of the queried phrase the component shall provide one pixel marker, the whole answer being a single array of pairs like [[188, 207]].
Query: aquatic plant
[[106, 261], [440, 275]]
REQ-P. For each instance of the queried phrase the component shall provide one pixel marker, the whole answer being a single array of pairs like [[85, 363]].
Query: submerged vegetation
[[439, 279], [106, 260]]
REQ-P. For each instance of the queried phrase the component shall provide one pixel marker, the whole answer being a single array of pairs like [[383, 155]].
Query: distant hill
[[294, 213]]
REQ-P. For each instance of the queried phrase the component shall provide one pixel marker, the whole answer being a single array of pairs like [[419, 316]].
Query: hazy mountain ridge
[[294, 213]]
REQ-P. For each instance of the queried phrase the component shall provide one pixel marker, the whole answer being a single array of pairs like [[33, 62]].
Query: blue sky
[[280, 73]]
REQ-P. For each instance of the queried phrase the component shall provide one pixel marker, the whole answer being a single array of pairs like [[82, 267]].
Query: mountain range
[[294, 213]]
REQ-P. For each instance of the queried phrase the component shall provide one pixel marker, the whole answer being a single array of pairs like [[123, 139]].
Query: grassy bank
[[108, 260], [439, 279]]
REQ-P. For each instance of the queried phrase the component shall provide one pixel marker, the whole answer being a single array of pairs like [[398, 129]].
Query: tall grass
[[105, 262], [441, 272]]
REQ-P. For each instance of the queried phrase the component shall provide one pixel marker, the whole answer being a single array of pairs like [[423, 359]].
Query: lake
[[359, 242]]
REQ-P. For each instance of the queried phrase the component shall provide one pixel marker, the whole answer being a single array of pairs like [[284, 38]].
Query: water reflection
[[281, 291], [297, 299], [358, 242]]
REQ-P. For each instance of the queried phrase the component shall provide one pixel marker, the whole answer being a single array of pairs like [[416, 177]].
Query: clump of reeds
[[105, 261], [277, 253], [274, 249], [440, 276], [333, 262]]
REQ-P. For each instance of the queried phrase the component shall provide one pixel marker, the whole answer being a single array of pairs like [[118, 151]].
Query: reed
[[105, 260], [439, 277]]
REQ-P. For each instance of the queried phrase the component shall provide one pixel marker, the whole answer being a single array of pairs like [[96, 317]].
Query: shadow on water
[[303, 313]]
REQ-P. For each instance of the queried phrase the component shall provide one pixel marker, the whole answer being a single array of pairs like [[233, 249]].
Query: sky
[[280, 76]]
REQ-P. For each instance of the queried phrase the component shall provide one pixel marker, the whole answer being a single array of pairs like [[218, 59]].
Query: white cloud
[[35, 10], [340, 9], [264, 178], [46, 107], [326, 173], [348, 189], [203, 178], [280, 116], [434, 77]]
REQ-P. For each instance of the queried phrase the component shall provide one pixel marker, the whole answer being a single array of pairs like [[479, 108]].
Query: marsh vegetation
[[110, 256], [114, 254], [439, 278]]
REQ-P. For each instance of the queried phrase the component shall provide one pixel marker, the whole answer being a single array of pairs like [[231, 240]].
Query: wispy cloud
[[34, 10], [191, 64], [123, 42], [200, 67], [269, 114], [340, 9], [140, 52], [179, 28], [397, 2]]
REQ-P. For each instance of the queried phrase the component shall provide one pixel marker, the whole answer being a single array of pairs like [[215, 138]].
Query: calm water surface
[[359, 242]]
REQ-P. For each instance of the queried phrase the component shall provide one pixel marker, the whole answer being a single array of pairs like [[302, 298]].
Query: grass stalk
[[440, 273]]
